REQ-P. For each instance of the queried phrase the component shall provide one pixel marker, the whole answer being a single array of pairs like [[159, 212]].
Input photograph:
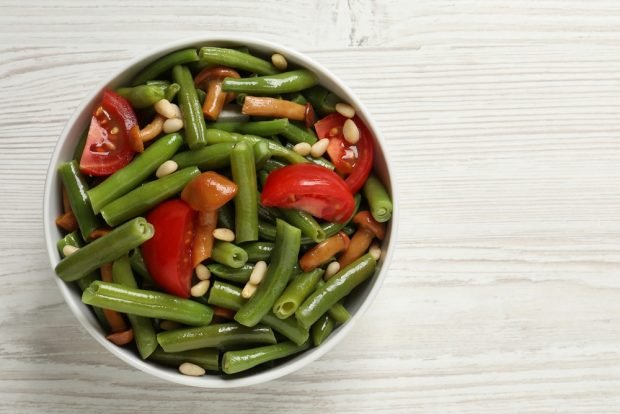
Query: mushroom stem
[[323, 252], [272, 107], [210, 80]]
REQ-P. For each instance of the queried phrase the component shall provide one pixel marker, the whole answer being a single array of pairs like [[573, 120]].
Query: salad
[[219, 210]]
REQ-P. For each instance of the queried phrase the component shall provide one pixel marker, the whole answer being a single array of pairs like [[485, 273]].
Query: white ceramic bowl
[[358, 301]]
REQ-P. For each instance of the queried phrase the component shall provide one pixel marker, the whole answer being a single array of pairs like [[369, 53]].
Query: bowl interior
[[356, 303]]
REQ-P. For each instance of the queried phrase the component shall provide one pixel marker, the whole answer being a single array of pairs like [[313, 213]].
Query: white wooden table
[[503, 119]]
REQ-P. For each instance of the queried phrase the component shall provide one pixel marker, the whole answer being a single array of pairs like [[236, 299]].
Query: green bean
[[262, 153], [246, 200], [143, 330], [262, 128], [297, 134], [228, 296], [258, 250], [273, 165], [79, 149], [228, 254], [133, 174], [236, 275], [193, 119], [147, 303], [235, 59], [228, 126], [284, 256], [74, 239], [296, 292], [286, 82], [205, 358], [171, 91], [219, 336], [321, 329], [226, 216], [237, 361], [216, 136], [142, 96], [336, 288], [297, 97], [163, 84], [337, 312], [378, 199], [78, 197], [147, 196], [202, 95], [105, 249], [266, 231], [164, 64], [207, 158], [323, 101], [137, 264], [262, 179], [305, 222]]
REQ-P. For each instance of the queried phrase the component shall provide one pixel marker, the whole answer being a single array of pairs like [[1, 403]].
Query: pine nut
[[258, 273], [177, 111], [114, 131], [224, 234], [319, 148], [193, 370], [332, 269], [166, 168], [203, 272], [248, 290], [375, 251], [69, 250], [169, 325], [200, 288], [351, 132], [164, 108], [345, 110], [279, 61], [303, 148], [172, 125]]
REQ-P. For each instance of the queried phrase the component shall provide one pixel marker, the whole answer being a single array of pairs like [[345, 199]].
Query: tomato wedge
[[168, 254], [107, 146], [353, 161], [311, 188]]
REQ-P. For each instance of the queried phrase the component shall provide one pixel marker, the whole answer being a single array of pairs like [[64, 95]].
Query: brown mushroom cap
[[215, 73], [365, 220]]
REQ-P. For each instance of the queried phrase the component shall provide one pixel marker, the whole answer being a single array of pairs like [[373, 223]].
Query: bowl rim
[[217, 381]]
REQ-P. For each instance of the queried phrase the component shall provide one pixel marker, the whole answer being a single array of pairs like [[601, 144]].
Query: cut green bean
[[143, 331], [297, 134], [258, 250], [132, 175], [246, 200], [228, 254], [286, 82], [137, 264], [235, 59], [228, 296], [378, 199], [336, 288], [147, 196], [193, 119], [171, 91], [105, 249], [238, 361], [70, 239], [297, 97], [208, 359], [262, 154], [221, 336], [226, 216], [305, 222], [142, 96], [164, 64], [236, 275], [263, 128], [296, 292], [208, 158], [321, 329], [147, 303], [78, 197], [283, 258], [323, 101], [338, 312]]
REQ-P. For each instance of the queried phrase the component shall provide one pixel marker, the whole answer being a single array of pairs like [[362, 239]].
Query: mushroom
[[367, 229], [278, 108], [210, 80], [324, 251]]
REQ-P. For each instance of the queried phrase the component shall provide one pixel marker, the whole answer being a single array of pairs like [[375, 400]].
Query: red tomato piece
[[107, 146], [168, 254], [311, 188]]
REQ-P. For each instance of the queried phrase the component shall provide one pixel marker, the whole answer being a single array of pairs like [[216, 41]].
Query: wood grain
[[502, 121]]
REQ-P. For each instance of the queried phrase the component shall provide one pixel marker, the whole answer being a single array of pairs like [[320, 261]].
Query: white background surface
[[502, 118]]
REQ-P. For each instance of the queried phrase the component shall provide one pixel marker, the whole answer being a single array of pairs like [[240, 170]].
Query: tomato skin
[[107, 146], [311, 188], [167, 254], [352, 160]]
